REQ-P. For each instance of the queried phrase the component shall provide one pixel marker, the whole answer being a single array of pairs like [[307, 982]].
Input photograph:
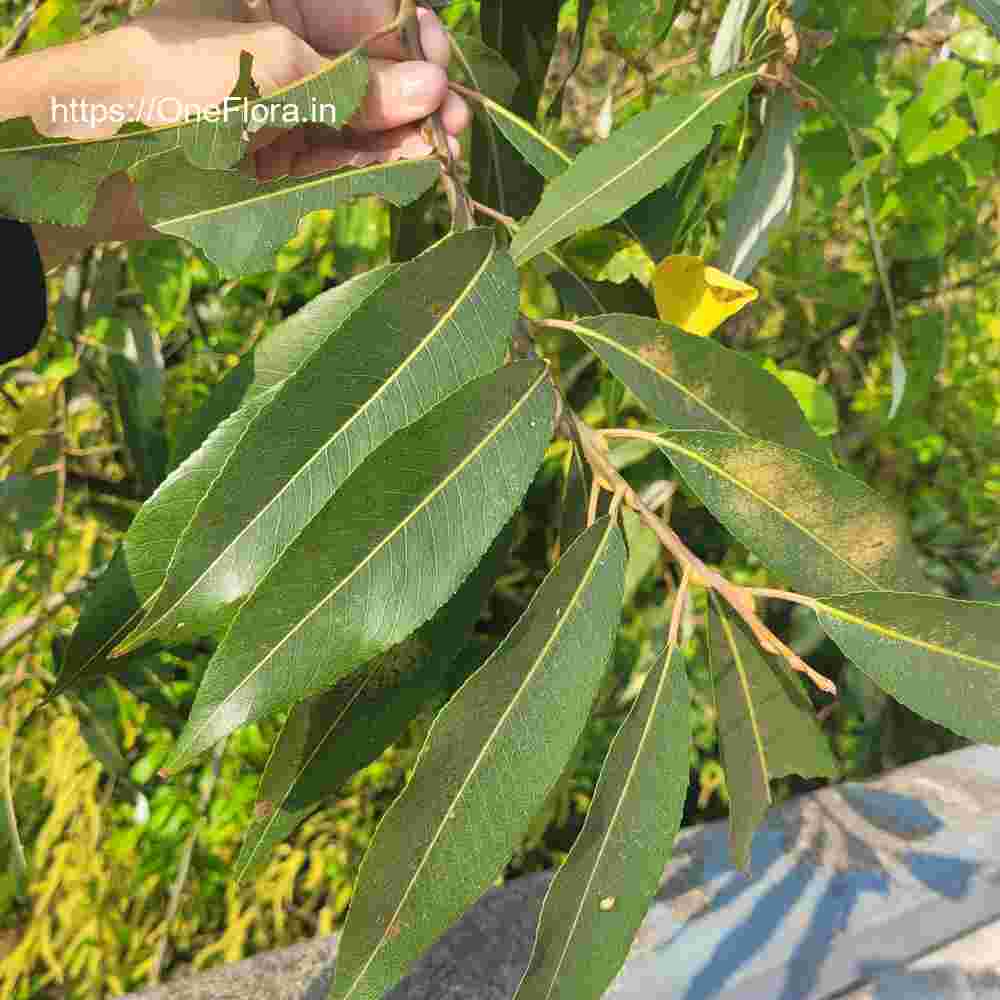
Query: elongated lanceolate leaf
[[139, 566], [51, 179], [938, 656], [817, 527], [764, 191], [393, 544], [543, 154], [662, 220], [584, 8], [728, 40], [597, 901], [330, 736], [490, 759], [437, 322], [241, 224], [693, 383], [484, 68], [767, 727], [644, 154]]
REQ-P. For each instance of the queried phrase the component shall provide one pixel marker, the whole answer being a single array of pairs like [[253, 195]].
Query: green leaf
[[767, 727], [53, 179], [942, 86], [442, 319], [988, 12], [693, 383], [817, 404], [643, 551], [817, 527], [27, 500], [985, 100], [641, 24], [240, 224], [117, 602], [330, 736], [484, 68], [872, 20], [164, 276], [976, 45], [923, 358], [575, 499], [138, 374], [55, 22], [490, 759], [842, 75], [661, 221], [543, 154], [644, 154], [582, 296], [596, 902], [763, 195], [727, 45], [391, 546], [921, 141], [938, 656], [584, 8]]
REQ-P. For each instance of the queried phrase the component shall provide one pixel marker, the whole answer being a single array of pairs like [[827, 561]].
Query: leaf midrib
[[626, 785], [498, 109], [526, 397], [155, 130], [723, 473], [751, 710], [634, 164], [586, 331], [400, 165], [898, 636], [391, 381], [279, 805], [528, 677]]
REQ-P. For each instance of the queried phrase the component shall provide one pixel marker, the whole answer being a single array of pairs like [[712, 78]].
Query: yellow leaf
[[30, 427], [696, 297]]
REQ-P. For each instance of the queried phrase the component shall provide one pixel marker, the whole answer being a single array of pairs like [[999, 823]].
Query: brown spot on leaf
[[264, 809], [660, 354], [852, 523]]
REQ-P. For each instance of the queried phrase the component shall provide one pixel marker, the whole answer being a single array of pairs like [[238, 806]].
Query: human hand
[[188, 51], [296, 44]]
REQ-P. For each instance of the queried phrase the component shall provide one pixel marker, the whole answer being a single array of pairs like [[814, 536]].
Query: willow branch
[[738, 597], [458, 199]]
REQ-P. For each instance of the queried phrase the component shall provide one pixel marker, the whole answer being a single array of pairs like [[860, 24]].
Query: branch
[[461, 210], [738, 597], [21, 30], [23, 627]]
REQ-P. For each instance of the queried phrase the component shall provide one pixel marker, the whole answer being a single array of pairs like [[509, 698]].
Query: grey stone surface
[[849, 884], [965, 969]]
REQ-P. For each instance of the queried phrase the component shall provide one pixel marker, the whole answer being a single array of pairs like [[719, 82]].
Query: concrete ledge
[[850, 884]]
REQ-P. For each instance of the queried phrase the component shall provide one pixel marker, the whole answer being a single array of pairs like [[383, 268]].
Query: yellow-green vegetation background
[[106, 838]]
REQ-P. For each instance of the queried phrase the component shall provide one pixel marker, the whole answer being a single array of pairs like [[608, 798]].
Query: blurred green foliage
[[139, 335]]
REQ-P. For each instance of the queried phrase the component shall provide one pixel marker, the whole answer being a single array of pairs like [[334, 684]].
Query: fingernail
[[416, 82], [432, 37]]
